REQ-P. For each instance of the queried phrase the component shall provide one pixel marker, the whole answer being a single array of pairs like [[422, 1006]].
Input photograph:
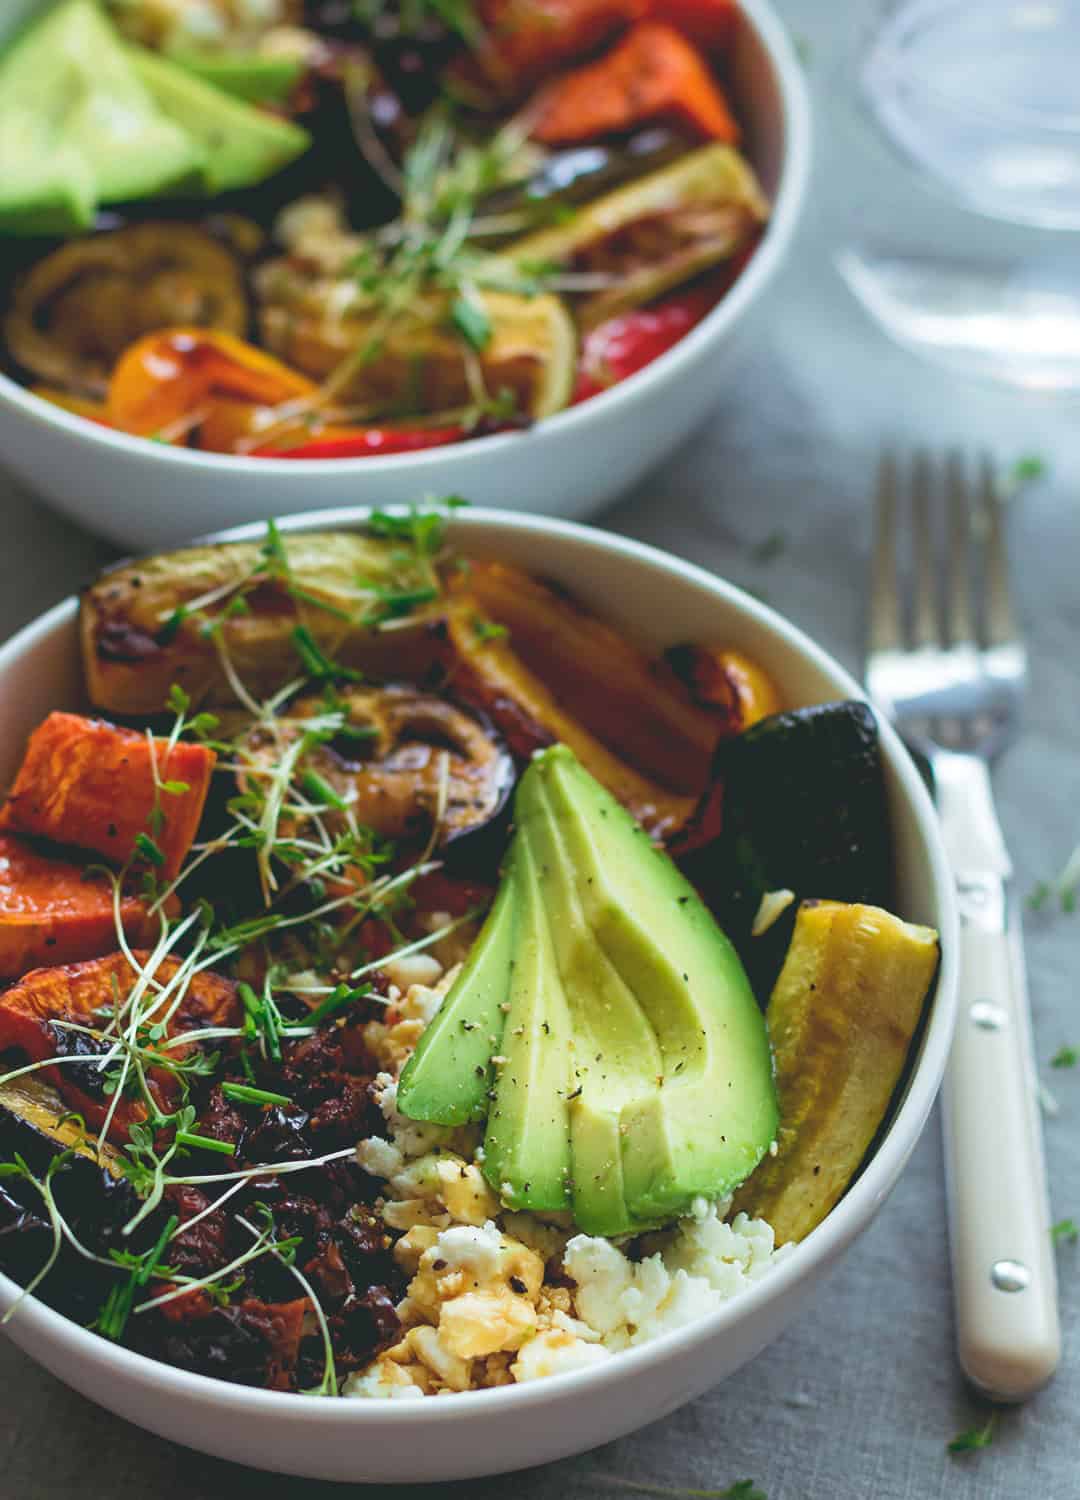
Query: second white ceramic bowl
[[141, 494], [658, 600]]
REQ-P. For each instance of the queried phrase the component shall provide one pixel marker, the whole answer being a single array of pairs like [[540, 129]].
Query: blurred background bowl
[[143, 494]]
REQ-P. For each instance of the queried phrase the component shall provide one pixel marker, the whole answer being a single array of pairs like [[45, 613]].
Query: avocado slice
[[78, 127], [713, 1113], [250, 76], [527, 1144], [447, 1078], [615, 1056], [242, 145]]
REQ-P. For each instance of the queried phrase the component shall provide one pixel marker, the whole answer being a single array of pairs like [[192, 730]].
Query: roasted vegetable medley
[[411, 986], [315, 229]]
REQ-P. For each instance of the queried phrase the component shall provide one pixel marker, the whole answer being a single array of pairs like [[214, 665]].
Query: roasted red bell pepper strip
[[367, 442], [623, 345], [626, 344]]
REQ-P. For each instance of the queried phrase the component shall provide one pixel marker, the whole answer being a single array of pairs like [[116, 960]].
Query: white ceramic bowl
[[659, 600], [143, 494]]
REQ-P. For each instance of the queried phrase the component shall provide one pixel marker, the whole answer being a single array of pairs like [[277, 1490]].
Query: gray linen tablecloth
[[858, 1400]]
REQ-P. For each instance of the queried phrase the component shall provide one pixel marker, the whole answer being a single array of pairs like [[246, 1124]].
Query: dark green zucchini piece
[[804, 809]]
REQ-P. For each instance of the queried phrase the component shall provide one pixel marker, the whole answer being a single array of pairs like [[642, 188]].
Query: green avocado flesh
[[241, 145], [78, 128], [245, 75], [527, 1144], [634, 1071], [448, 1076], [86, 120]]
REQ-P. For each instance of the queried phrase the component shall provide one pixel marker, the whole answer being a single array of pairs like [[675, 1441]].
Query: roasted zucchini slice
[[841, 1020], [654, 234], [142, 624]]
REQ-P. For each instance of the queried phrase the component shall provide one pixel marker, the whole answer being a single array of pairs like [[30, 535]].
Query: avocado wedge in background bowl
[[88, 120]]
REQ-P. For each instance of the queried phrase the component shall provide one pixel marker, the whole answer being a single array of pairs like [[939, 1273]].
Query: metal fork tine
[[886, 623], [926, 630], [1001, 626], [961, 624]]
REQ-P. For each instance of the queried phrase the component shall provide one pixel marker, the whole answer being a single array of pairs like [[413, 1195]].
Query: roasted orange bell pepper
[[177, 374], [636, 706], [652, 73], [729, 682], [87, 783]]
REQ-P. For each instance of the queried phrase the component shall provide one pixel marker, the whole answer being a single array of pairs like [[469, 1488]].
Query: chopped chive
[[472, 322], [149, 849], [486, 630], [315, 661], [975, 1437], [247, 1095], [320, 790], [1065, 1231], [334, 1004], [171, 627], [1065, 1057], [206, 1142]]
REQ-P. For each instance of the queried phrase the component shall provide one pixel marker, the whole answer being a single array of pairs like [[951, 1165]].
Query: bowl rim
[[636, 390], [814, 1254]]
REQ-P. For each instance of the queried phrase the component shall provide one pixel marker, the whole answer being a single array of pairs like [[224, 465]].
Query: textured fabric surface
[[858, 1399]]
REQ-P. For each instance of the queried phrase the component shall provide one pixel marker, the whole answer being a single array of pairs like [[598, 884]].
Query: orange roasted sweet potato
[[653, 73], [80, 993], [86, 783], [728, 682], [52, 912]]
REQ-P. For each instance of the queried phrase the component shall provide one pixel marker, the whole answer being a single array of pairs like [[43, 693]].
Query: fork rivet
[[987, 1016], [1010, 1275]]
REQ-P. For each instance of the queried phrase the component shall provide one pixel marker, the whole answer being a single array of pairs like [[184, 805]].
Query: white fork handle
[[1005, 1287]]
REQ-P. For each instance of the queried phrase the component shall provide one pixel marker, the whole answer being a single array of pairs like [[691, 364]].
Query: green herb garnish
[[975, 1437], [1065, 1232]]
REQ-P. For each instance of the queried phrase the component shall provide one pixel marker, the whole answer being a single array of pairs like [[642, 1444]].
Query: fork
[[946, 663]]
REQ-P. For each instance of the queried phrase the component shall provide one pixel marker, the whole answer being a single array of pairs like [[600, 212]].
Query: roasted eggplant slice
[[406, 760], [36, 1122], [142, 624], [74, 313], [654, 234], [804, 810]]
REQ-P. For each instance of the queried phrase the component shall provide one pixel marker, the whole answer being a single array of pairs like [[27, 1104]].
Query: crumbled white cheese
[[772, 905], [553, 1353], [694, 1268]]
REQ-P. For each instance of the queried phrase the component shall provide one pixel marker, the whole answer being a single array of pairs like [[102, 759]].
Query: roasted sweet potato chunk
[[85, 994], [89, 784], [654, 73], [53, 912]]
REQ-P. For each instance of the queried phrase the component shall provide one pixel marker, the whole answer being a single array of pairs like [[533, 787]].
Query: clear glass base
[[983, 95]]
